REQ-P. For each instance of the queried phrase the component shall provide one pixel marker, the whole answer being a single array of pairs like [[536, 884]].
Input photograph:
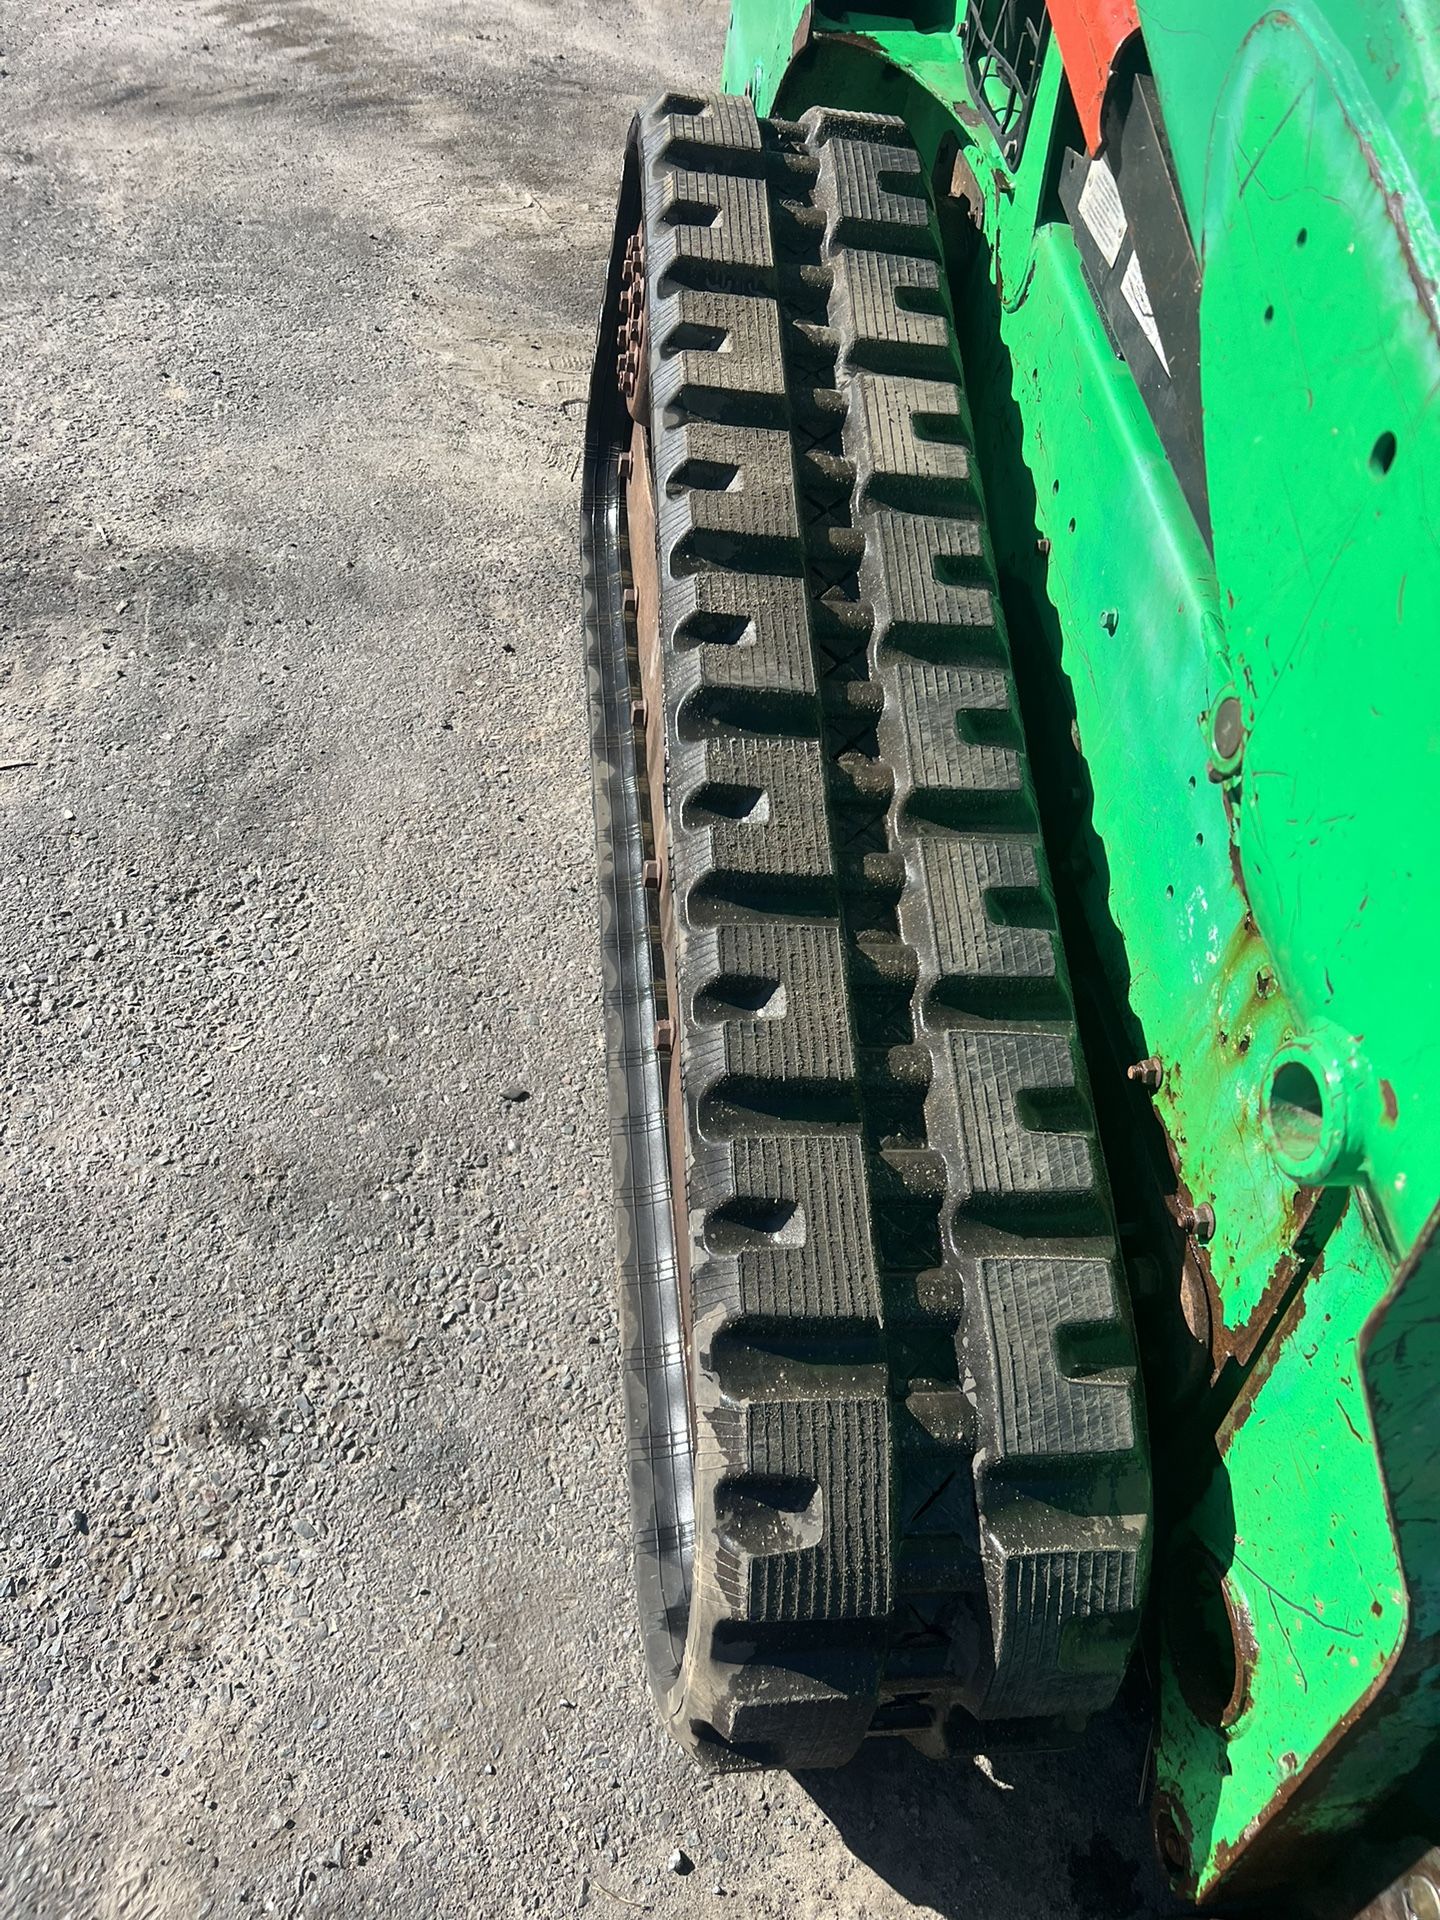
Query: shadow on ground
[[1065, 1833]]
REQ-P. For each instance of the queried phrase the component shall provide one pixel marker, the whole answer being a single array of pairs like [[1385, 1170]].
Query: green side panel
[[758, 47], [1321, 370], [1386, 49], [1400, 1350], [1267, 917], [1288, 1560], [1321, 375], [1341, 1600]]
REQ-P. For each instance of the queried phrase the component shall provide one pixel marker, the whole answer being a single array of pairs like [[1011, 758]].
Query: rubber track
[[919, 1483]]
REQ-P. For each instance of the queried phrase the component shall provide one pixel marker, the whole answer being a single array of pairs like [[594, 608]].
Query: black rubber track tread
[[919, 1487], [1045, 1339]]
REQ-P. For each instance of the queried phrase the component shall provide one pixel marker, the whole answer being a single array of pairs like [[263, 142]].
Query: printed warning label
[[1137, 298], [1102, 212]]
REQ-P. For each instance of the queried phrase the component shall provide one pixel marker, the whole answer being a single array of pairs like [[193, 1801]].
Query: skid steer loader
[[1013, 615]]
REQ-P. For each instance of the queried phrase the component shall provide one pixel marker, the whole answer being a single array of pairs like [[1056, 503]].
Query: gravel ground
[[311, 1499]]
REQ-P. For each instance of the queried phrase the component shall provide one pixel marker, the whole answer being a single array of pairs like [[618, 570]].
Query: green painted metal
[[759, 47], [1320, 363], [1259, 906], [1386, 51]]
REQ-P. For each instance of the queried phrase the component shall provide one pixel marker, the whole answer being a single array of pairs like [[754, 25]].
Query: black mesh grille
[[1004, 41]]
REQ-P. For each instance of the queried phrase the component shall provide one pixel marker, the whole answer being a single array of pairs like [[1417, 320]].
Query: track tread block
[[784, 1221], [842, 1572], [749, 805], [718, 350], [900, 429], [926, 578], [871, 185], [800, 1030], [961, 878], [1000, 1155], [933, 704], [741, 633], [869, 288], [727, 491], [1045, 1410]]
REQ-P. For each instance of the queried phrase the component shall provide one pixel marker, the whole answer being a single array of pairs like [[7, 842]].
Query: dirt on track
[[314, 1595]]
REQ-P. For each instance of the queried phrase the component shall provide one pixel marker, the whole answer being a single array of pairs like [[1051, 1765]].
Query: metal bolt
[[632, 600], [1172, 1846], [650, 873], [637, 713], [664, 1036], [1110, 619], [1042, 545], [1227, 729], [1146, 1073], [1200, 1221], [627, 465]]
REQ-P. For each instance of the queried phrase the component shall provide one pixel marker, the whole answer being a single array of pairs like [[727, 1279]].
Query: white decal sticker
[[1102, 212], [1137, 298]]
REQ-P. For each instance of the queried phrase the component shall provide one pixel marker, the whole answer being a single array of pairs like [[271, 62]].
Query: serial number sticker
[[1102, 212], [1137, 298]]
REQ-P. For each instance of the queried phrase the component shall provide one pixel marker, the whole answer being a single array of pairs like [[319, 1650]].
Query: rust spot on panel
[[1247, 1652], [1200, 1305], [1312, 1216], [861, 40], [965, 188], [1237, 872], [1196, 1306], [1389, 1103]]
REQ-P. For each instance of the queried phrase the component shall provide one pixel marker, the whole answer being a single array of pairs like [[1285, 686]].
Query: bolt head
[[1227, 731], [1199, 1221], [1173, 1849]]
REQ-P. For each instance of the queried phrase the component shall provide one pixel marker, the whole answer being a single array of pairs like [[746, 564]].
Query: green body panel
[[1296, 1528], [1385, 50], [1333, 592], [1274, 908], [759, 46]]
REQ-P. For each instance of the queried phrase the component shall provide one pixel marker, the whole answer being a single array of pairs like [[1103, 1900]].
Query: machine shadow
[[1065, 1832]]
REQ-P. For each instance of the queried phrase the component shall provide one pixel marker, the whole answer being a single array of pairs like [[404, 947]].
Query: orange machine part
[[1090, 33]]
